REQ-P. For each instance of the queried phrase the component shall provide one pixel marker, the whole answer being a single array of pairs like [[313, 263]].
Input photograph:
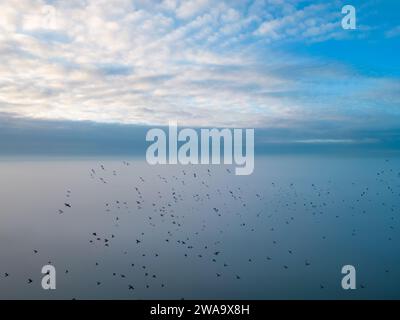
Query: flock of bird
[[183, 203]]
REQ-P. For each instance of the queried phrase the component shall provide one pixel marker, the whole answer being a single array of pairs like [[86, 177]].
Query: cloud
[[335, 141], [33, 137], [189, 8], [201, 63], [393, 32], [313, 23]]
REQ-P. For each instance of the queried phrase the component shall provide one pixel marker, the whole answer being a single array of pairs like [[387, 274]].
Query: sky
[[287, 68]]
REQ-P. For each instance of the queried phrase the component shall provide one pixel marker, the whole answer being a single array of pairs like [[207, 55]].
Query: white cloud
[[189, 8], [311, 23], [143, 62]]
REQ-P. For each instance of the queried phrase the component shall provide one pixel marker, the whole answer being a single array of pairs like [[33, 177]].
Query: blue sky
[[279, 66]]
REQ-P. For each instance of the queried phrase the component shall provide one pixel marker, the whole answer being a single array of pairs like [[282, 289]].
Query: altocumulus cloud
[[202, 63]]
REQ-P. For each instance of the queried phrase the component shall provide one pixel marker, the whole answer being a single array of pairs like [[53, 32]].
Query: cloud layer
[[200, 62]]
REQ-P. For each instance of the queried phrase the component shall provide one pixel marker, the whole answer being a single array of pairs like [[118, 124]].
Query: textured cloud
[[314, 22], [205, 63]]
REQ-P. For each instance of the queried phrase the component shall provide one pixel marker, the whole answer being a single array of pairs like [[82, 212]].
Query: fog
[[200, 231]]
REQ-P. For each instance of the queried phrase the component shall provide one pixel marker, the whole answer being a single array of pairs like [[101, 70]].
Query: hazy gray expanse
[[283, 232]]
